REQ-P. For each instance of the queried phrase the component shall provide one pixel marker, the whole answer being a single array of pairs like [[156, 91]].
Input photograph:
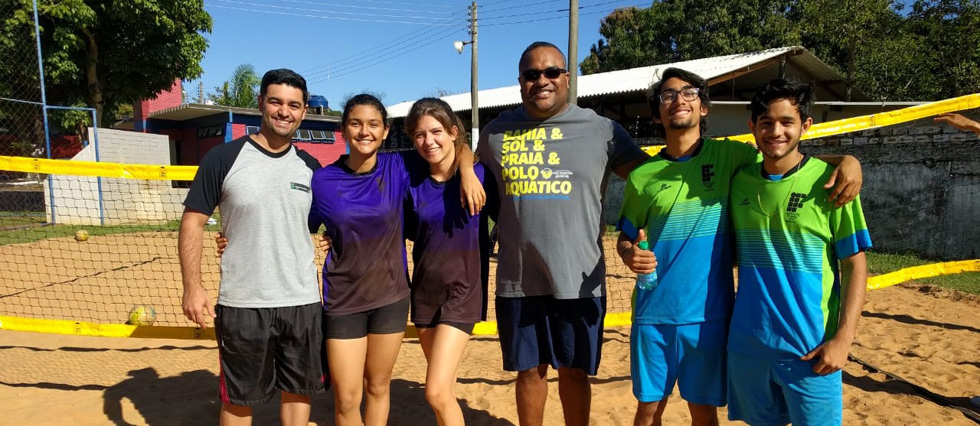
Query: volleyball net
[[86, 241]]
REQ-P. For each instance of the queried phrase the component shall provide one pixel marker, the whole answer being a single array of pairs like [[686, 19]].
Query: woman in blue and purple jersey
[[359, 198], [450, 254]]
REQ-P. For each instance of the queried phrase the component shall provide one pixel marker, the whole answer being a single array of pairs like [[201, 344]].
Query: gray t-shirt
[[552, 178], [265, 201]]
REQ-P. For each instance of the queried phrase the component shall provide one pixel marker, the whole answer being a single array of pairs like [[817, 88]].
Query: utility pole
[[474, 98], [572, 64], [200, 92]]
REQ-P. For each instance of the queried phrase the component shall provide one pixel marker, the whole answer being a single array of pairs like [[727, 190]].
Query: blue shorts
[[539, 330], [693, 355], [763, 392]]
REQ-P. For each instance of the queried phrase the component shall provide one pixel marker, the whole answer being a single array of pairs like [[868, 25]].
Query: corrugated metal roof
[[639, 79], [192, 111]]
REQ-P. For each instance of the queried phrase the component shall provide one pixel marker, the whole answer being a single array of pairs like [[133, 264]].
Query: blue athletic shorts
[[763, 392], [539, 330], [693, 355]]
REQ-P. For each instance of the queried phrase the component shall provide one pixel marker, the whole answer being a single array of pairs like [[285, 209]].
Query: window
[[251, 130], [210, 131], [303, 135]]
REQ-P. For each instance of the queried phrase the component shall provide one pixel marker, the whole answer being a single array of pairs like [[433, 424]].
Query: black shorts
[[387, 319], [465, 327], [264, 349]]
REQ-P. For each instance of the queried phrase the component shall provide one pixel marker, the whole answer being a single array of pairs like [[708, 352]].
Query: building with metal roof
[[732, 80]]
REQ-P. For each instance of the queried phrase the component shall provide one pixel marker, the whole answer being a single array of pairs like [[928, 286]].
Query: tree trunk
[[92, 77], [849, 82]]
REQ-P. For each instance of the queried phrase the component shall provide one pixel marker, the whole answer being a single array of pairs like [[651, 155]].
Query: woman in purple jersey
[[360, 200], [451, 252]]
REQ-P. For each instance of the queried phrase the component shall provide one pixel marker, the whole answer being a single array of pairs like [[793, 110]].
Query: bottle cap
[[643, 245]]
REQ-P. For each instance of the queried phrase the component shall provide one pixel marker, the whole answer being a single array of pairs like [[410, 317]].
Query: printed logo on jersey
[[707, 176], [795, 202], [529, 169], [299, 187], [664, 186], [745, 202]]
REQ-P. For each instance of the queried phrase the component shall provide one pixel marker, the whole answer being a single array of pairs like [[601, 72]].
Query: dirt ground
[[927, 336]]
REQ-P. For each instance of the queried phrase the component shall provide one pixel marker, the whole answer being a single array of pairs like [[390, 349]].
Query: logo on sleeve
[[299, 187]]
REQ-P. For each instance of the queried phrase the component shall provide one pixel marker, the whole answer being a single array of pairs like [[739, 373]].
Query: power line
[[522, 6], [272, 12], [354, 68], [333, 12], [563, 10], [387, 9], [564, 15], [388, 45], [405, 3]]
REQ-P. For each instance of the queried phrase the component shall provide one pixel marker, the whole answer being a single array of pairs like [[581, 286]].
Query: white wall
[[124, 201]]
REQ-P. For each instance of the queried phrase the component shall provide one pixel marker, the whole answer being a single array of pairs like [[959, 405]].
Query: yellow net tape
[[923, 271], [81, 328], [865, 122], [882, 119], [92, 168]]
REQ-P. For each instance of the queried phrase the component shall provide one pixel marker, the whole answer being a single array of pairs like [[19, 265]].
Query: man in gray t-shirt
[[552, 161], [267, 319]]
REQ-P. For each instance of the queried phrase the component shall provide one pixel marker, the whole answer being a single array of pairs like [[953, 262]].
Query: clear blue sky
[[399, 48]]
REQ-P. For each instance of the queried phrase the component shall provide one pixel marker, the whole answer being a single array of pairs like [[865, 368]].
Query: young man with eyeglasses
[[552, 161], [679, 201], [802, 273]]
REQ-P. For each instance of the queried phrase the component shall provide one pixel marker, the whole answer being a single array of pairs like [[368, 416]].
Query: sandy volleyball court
[[931, 338]]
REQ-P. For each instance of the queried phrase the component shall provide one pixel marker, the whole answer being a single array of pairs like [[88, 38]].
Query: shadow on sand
[[192, 399]]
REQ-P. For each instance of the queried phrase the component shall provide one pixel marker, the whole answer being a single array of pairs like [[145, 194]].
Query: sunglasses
[[550, 72]]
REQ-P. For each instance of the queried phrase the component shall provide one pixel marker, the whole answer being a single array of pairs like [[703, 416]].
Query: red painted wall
[[163, 100], [237, 131]]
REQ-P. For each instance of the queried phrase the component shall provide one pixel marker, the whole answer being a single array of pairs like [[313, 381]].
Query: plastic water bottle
[[646, 281]]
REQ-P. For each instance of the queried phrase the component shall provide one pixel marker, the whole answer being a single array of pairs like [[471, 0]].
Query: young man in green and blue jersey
[[679, 200], [802, 274]]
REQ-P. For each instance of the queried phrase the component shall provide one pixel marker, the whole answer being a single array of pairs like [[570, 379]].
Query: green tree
[[104, 53], [847, 34], [241, 91], [680, 30], [949, 47]]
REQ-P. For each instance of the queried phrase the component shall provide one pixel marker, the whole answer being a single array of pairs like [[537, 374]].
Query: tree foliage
[[103, 53], [679, 30], [891, 51], [241, 91]]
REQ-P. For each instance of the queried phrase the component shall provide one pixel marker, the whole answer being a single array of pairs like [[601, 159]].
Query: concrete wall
[[76, 199], [921, 187]]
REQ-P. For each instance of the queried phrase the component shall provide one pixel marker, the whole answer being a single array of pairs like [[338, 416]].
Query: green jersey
[[790, 239]]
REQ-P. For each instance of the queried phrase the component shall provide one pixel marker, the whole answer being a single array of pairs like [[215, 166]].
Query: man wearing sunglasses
[[552, 161], [679, 201]]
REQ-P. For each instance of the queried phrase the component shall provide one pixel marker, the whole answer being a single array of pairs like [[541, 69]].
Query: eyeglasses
[[550, 72], [669, 96]]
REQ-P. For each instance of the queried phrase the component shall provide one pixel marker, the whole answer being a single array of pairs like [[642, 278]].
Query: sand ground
[[929, 337]]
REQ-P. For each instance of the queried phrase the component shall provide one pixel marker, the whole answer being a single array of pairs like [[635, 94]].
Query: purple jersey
[[362, 212], [451, 252]]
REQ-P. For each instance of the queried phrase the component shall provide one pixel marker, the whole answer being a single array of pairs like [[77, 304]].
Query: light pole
[[474, 107]]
